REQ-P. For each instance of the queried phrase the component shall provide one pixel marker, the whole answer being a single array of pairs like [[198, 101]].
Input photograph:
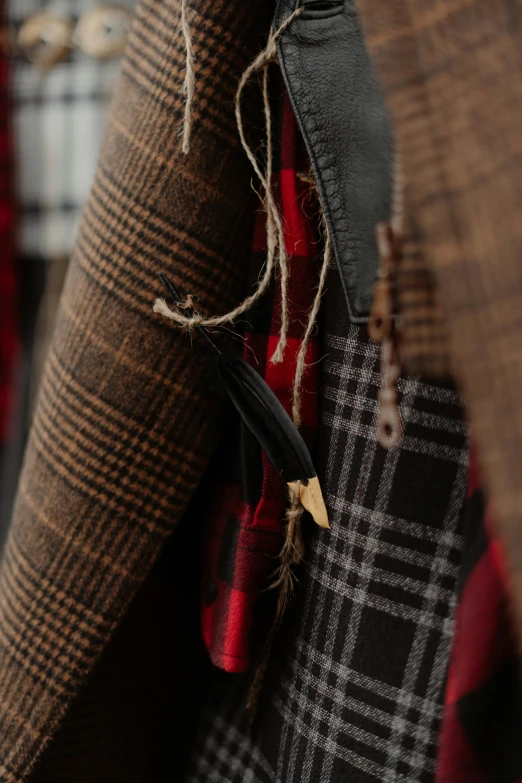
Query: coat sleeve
[[127, 416], [452, 77]]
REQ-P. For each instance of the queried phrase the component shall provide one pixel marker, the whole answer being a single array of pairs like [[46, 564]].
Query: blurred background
[[59, 62]]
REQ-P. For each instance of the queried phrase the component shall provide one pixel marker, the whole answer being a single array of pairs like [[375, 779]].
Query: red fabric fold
[[243, 534]]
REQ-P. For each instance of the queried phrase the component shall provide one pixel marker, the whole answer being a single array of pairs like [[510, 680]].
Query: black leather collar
[[347, 131]]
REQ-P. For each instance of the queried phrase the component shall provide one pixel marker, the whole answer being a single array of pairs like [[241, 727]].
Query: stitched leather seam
[[361, 319], [321, 9]]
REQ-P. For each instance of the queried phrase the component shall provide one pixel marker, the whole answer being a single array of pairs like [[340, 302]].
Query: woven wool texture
[[128, 414], [134, 719], [452, 76], [356, 686]]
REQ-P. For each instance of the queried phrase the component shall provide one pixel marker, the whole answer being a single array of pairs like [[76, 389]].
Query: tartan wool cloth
[[9, 341], [127, 419], [481, 740], [243, 536], [355, 686]]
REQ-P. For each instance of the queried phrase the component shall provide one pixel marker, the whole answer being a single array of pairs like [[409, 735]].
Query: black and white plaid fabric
[[59, 119], [356, 683]]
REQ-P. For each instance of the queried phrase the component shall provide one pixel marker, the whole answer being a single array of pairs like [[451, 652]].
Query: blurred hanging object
[[45, 39], [9, 341], [383, 325], [63, 62], [482, 728], [102, 31]]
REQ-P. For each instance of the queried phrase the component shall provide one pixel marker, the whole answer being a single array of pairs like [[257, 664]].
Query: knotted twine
[[276, 249], [293, 548]]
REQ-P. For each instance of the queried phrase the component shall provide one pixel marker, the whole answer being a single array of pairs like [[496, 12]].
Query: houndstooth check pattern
[[59, 119], [356, 694]]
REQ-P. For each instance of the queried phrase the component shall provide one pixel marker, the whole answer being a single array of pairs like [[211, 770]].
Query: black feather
[[264, 415], [260, 410]]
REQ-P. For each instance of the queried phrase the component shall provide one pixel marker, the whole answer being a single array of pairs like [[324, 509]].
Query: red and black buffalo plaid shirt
[[481, 740], [243, 537], [8, 316]]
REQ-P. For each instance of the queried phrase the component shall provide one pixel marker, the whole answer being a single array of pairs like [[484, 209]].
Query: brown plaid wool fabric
[[128, 415], [452, 76]]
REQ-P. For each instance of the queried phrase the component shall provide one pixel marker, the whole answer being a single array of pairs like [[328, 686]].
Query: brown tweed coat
[[127, 417]]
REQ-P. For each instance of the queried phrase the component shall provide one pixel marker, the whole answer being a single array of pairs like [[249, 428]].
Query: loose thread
[[190, 76], [301, 356], [383, 327], [291, 555], [293, 548], [275, 229], [274, 222]]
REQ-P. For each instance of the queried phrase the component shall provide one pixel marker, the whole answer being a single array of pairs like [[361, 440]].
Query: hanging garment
[[482, 726], [355, 685], [130, 413]]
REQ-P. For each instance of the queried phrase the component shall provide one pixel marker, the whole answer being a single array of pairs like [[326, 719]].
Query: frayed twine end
[[189, 83], [161, 307], [292, 553], [278, 355]]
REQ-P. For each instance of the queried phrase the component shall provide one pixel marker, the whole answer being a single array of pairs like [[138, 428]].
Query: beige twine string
[[275, 231], [301, 356], [274, 224], [274, 228], [190, 76], [292, 553]]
